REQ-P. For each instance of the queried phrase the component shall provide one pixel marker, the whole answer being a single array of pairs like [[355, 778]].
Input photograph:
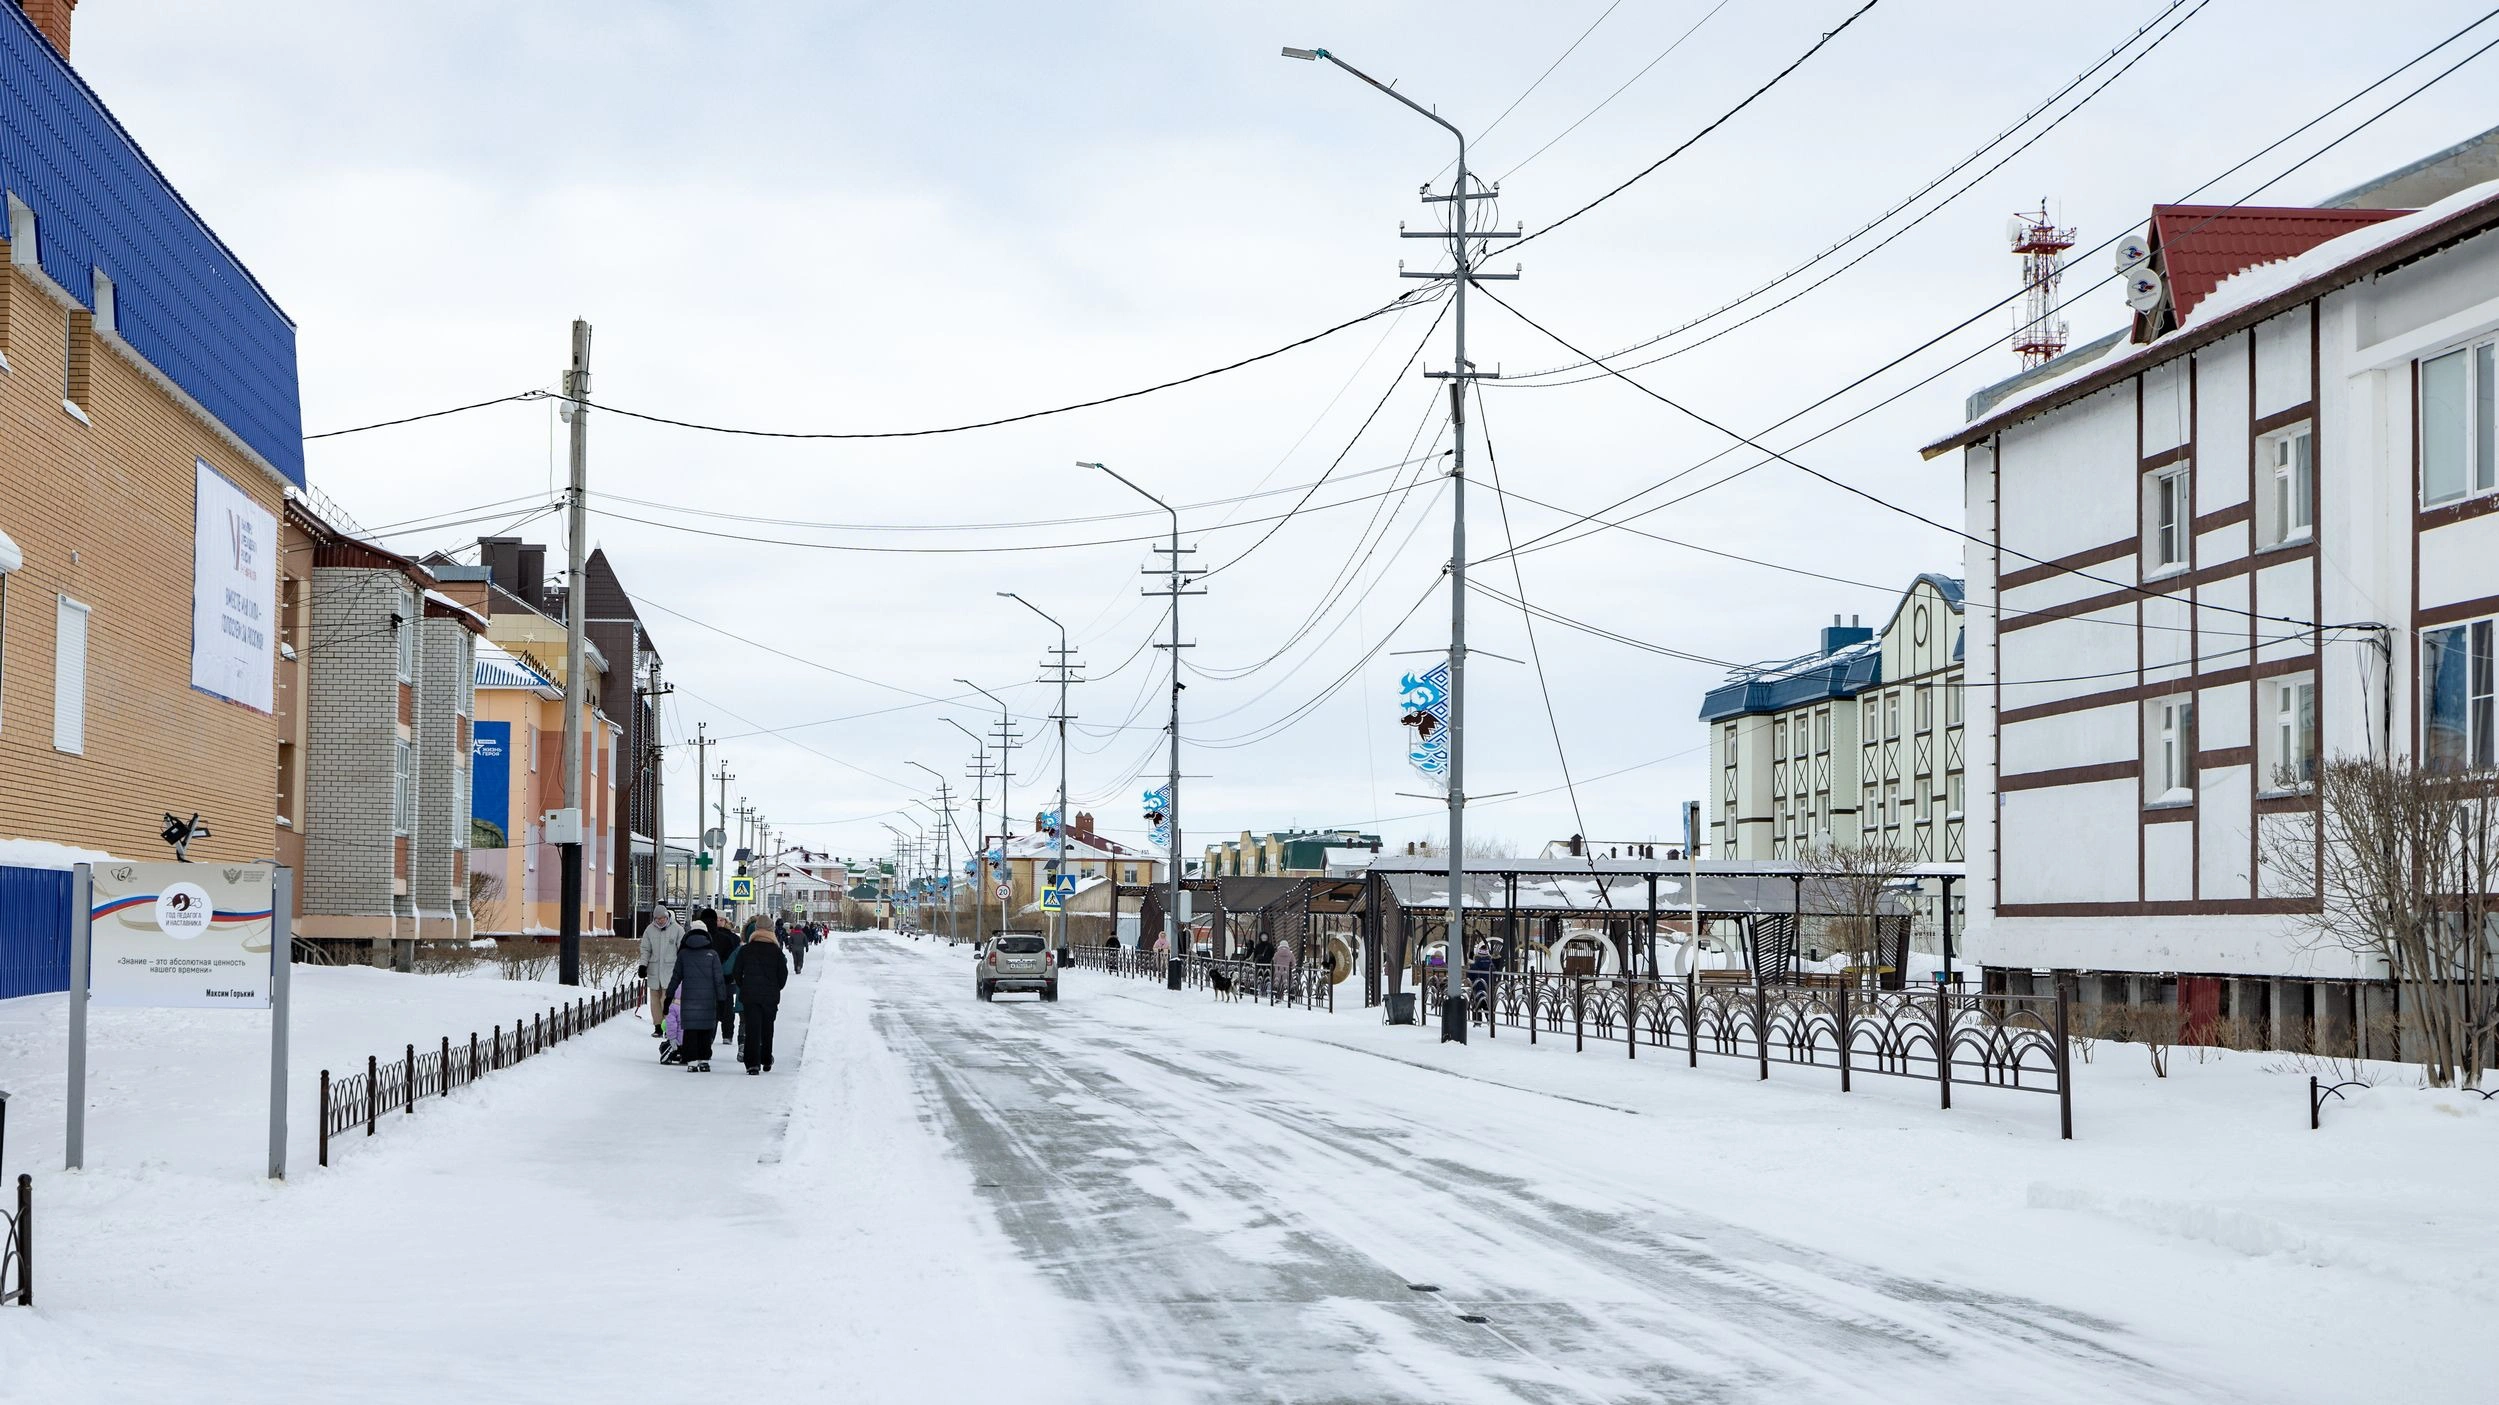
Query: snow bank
[[43, 853]]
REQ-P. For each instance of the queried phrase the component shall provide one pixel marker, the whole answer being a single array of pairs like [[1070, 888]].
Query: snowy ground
[[1136, 1195]]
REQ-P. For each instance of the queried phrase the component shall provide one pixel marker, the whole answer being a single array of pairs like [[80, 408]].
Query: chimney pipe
[[51, 19]]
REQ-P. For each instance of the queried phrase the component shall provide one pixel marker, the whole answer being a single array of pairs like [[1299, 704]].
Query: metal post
[[407, 1084], [1761, 1022], [1943, 1044], [1843, 1035], [1692, 1016], [2065, 1070], [1579, 1014], [25, 1240], [281, 1007], [372, 1092], [81, 941], [1946, 914], [576, 624]]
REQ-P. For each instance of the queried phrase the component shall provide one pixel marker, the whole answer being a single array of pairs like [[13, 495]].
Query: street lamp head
[[1080, 463], [1292, 53]]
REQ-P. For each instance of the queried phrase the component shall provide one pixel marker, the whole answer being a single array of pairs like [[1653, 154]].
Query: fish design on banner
[[1158, 814], [1424, 699]]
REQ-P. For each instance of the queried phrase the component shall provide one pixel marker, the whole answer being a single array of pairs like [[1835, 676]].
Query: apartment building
[[149, 413], [2255, 530], [1858, 740], [1292, 853]]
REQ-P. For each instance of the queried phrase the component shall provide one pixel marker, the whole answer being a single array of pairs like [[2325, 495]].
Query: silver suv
[[1016, 961]]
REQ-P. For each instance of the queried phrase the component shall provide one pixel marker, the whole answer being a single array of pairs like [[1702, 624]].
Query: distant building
[[149, 431], [1032, 860], [1858, 740], [2257, 534], [1285, 853]]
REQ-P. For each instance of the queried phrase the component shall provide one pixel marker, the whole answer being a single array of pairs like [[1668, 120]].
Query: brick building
[[149, 410]]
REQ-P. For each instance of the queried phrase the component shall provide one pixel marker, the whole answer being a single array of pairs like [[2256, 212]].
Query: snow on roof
[[2330, 263], [1045, 845], [436, 597], [498, 667], [10, 557]]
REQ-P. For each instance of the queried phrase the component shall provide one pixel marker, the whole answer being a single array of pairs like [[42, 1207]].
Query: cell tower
[[2038, 335]]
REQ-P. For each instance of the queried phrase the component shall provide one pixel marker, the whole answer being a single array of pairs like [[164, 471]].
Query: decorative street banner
[[181, 935], [490, 786], [1158, 814], [1425, 699], [234, 594]]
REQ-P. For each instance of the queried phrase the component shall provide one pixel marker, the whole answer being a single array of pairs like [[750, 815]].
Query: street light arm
[[1443, 122], [984, 692], [975, 736], [1036, 609], [1149, 497]]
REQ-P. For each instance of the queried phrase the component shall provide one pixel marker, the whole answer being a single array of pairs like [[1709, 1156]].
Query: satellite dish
[[2016, 229], [2133, 252], [2143, 290]]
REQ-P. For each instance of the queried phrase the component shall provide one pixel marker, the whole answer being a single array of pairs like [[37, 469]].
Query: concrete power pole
[[695, 882], [720, 869], [576, 687], [654, 755]]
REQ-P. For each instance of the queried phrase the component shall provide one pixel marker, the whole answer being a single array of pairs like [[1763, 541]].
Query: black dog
[[1221, 982]]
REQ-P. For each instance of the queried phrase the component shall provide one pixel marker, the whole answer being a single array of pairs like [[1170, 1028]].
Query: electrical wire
[[428, 415], [1521, 163]]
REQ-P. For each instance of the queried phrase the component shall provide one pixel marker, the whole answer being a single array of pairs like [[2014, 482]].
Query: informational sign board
[[234, 594], [490, 785], [742, 889], [181, 935]]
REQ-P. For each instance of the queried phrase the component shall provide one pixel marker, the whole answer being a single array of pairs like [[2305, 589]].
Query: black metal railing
[[1308, 984], [398, 1086], [17, 1249]]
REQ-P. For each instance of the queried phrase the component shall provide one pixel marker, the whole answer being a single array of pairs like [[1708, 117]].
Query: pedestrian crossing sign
[[1060, 891], [742, 889]]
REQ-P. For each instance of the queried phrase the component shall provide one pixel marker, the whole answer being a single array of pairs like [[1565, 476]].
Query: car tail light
[[1049, 958], [993, 958]]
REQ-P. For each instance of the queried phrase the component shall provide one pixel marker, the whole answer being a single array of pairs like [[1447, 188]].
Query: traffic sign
[[1005, 892], [1056, 899], [715, 838], [742, 889], [702, 860]]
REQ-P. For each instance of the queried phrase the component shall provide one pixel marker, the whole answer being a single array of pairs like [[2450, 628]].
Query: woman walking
[[760, 976], [701, 991]]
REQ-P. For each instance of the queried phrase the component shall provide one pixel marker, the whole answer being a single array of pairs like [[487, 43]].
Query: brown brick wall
[[104, 514]]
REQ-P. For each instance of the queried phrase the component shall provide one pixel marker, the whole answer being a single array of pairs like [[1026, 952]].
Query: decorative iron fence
[[2016, 1043], [1304, 983], [17, 1250], [398, 1086]]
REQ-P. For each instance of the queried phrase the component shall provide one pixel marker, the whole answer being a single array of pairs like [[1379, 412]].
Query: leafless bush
[[485, 899], [608, 960], [2155, 1027], [1857, 879], [444, 958], [525, 958], [2083, 1030]]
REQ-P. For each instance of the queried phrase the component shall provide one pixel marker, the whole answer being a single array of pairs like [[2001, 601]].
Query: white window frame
[[2288, 460], [2170, 778], [405, 643], [2476, 438], [2168, 518], [2478, 709], [2290, 717], [402, 786], [69, 675]]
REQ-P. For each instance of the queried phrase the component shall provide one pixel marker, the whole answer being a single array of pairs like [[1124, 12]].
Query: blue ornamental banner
[[1424, 699], [1158, 813], [490, 785]]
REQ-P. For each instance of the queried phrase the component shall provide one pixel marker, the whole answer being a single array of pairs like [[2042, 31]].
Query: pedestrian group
[[703, 978]]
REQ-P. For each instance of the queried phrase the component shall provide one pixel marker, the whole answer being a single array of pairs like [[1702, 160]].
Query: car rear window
[[1019, 946]]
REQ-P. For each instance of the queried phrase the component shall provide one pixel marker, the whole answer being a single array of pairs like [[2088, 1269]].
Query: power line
[[1721, 120], [1602, 16], [1609, 97], [429, 415]]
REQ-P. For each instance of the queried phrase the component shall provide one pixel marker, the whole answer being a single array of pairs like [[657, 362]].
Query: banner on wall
[[490, 785], [234, 594]]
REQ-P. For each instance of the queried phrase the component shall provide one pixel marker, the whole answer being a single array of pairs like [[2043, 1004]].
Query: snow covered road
[[1137, 1195]]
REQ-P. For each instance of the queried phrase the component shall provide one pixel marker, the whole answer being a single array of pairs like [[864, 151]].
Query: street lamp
[[1453, 1014], [1005, 830], [980, 828], [1061, 719], [1171, 796], [945, 861]]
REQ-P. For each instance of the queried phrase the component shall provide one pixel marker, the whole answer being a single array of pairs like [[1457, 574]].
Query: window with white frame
[[1926, 708], [1952, 703], [2286, 492], [2168, 518], [69, 677], [2290, 725], [2457, 724], [1891, 716], [402, 786], [2459, 424], [2171, 773], [1870, 719], [1822, 729]]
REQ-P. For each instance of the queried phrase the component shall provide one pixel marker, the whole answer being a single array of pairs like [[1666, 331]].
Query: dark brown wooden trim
[[2303, 803], [2169, 814], [2079, 561], [2166, 585], [2144, 692], [2449, 514], [2227, 517], [2279, 419], [2255, 836], [2204, 907], [2071, 775], [2226, 756], [2166, 457], [2456, 613]]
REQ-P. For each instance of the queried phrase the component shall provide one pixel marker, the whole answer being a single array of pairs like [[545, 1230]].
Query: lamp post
[[1005, 731], [945, 851], [1453, 1013], [980, 830], [1171, 796], [1061, 719]]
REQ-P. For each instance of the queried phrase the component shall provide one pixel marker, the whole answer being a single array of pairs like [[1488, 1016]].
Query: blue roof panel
[[181, 297]]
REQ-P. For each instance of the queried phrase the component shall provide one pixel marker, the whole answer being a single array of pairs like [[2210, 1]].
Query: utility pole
[[576, 687], [1063, 673], [980, 818], [699, 880], [1006, 741], [654, 755], [1180, 577], [720, 882], [1463, 256]]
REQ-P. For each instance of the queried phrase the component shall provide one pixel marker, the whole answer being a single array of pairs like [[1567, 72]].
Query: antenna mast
[[2039, 335]]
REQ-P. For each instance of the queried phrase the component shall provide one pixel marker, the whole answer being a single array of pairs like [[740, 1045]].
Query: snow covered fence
[[17, 1249], [399, 1085], [2016, 1043]]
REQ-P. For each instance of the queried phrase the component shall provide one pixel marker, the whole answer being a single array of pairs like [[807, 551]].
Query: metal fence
[[34, 931], [2015, 1043], [398, 1086], [17, 1250], [1304, 983]]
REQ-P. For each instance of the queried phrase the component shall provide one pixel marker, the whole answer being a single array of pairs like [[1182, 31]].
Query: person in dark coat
[[800, 938], [702, 992], [1262, 960], [761, 975]]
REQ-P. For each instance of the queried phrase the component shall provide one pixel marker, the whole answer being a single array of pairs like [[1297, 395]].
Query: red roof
[[2197, 246]]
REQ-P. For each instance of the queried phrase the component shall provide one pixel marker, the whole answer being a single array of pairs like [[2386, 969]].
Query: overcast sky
[[830, 216]]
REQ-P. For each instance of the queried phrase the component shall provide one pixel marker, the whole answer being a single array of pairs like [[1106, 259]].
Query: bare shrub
[[605, 961], [2083, 1030], [485, 899], [525, 958], [2155, 1027], [444, 959], [1855, 880]]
